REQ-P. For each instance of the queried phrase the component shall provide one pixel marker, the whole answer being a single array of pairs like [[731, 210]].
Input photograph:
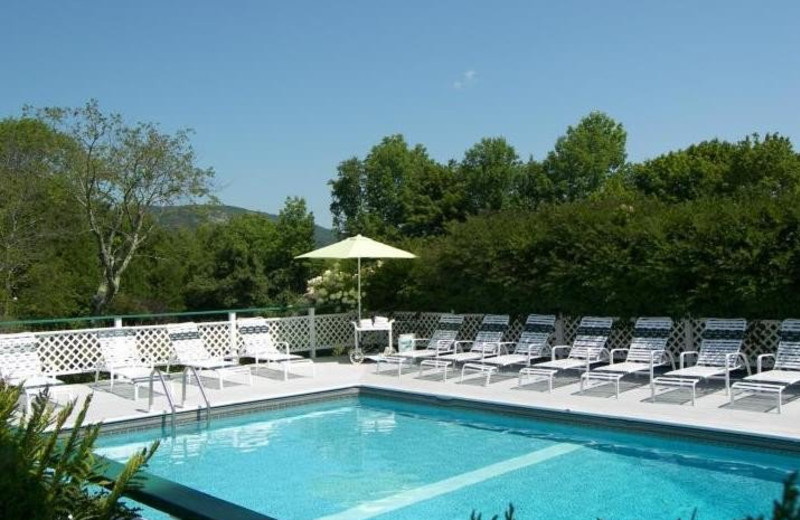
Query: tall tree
[[489, 169], [372, 196], [586, 156], [715, 168], [295, 236], [117, 173]]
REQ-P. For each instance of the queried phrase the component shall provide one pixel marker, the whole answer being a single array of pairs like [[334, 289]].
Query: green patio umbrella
[[358, 247]]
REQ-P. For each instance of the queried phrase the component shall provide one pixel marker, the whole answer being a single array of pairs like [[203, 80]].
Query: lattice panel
[[217, 337], [296, 331], [153, 344], [68, 352], [334, 329]]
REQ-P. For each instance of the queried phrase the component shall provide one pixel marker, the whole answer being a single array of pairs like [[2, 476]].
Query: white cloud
[[467, 78]]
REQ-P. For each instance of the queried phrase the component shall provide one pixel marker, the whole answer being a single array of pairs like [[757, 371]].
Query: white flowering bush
[[334, 289]]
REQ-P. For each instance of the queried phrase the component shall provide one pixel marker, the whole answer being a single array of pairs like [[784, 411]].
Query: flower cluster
[[333, 288]]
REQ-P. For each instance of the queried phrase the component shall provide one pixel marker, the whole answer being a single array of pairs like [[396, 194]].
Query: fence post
[[560, 330], [312, 332], [232, 333], [688, 334], [117, 322]]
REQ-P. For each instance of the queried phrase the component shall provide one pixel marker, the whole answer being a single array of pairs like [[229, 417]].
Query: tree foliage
[[116, 174], [586, 156]]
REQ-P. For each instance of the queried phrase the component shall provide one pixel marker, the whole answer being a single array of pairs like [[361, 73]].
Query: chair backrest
[[535, 334], [118, 348], [256, 336], [446, 331], [788, 355], [720, 338], [490, 334], [186, 342], [591, 337], [19, 358], [649, 334]]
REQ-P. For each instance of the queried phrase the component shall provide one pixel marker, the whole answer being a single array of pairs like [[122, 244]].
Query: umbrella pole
[[359, 288]]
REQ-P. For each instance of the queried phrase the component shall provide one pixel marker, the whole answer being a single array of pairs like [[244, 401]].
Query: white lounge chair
[[20, 365], [486, 343], [533, 343], [191, 351], [785, 369], [647, 352], [258, 343], [442, 340], [121, 359], [720, 354], [588, 348]]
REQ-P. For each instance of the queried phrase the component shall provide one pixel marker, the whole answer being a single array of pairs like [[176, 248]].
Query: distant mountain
[[192, 216]]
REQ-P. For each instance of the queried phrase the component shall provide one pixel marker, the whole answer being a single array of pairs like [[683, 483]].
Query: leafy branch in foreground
[[46, 473]]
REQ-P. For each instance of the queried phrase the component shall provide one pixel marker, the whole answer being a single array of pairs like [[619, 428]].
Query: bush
[[624, 256], [47, 476]]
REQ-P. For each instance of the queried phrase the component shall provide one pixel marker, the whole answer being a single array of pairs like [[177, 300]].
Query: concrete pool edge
[[707, 433]]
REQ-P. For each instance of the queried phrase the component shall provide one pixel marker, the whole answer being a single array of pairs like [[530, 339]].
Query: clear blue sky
[[280, 92]]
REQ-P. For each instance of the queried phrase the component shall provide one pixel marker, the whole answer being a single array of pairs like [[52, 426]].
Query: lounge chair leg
[[780, 401], [462, 375], [694, 391], [583, 382], [617, 388]]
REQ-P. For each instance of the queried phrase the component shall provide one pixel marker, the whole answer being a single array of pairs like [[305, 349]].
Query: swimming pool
[[375, 457]]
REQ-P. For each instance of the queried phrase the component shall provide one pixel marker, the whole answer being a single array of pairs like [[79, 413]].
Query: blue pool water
[[354, 459]]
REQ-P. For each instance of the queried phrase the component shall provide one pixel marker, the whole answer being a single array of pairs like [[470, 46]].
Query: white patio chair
[[588, 348], [785, 368], [486, 343], [647, 352], [20, 365], [191, 351], [720, 354], [442, 340], [121, 359], [533, 343], [258, 343]]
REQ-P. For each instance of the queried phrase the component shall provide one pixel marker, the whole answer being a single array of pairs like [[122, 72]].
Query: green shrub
[[49, 474]]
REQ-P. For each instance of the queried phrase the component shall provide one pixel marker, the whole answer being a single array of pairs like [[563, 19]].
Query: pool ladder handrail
[[167, 392], [186, 370]]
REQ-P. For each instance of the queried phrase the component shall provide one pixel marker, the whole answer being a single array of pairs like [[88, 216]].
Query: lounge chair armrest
[[459, 345], [557, 348], [730, 360], [503, 346], [614, 351], [684, 355], [760, 361], [284, 344], [656, 355]]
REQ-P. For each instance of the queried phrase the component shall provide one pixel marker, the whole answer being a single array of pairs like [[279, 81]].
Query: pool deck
[[752, 414]]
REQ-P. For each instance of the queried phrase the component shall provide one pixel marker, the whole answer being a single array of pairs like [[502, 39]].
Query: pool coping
[[730, 436]]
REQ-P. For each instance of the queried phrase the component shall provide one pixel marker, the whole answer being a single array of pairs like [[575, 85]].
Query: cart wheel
[[356, 356]]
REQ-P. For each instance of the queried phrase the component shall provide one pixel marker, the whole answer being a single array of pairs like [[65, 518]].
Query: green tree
[[229, 271], [391, 192], [294, 236], [586, 156], [117, 173], [719, 168], [489, 169], [43, 250]]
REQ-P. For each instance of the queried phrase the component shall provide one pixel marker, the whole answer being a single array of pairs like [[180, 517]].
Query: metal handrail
[[167, 392], [202, 391]]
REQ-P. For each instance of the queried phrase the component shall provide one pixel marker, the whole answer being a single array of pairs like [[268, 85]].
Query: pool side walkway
[[753, 415]]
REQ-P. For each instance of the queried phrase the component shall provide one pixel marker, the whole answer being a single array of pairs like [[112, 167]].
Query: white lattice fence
[[78, 351], [296, 331], [334, 330]]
